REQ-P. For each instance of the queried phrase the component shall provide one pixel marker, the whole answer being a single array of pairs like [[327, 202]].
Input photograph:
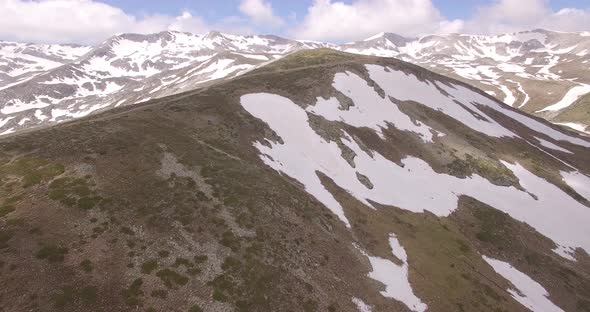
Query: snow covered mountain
[[540, 72], [49, 84], [323, 181], [19, 62]]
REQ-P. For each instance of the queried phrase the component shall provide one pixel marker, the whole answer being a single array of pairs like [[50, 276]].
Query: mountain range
[[541, 72], [321, 181]]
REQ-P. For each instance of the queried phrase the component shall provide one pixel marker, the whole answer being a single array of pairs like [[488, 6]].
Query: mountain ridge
[[108, 75]]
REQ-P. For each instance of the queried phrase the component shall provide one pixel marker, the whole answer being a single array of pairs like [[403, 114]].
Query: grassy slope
[[579, 112]]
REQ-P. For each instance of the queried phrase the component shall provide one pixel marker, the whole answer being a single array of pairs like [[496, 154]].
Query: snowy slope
[[21, 61], [302, 143], [538, 71], [351, 135], [72, 82]]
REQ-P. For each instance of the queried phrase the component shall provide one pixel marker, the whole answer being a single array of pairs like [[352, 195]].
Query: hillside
[[576, 115], [324, 181]]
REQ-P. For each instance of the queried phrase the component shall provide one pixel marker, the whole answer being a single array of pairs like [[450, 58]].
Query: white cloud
[[338, 21], [81, 21], [91, 21], [260, 12], [569, 19], [504, 16], [187, 22]]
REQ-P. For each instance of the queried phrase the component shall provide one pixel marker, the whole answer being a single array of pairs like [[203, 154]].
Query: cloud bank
[[338, 21], [260, 12], [91, 21], [81, 21]]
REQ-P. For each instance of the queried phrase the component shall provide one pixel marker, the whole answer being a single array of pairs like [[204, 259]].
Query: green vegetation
[[6, 209], [159, 293], [195, 308], [310, 305], [149, 266], [172, 278], [133, 293], [64, 297], [246, 283], [5, 236], [163, 253], [183, 262], [9, 205], [577, 112], [200, 259], [88, 203], [492, 223], [52, 253], [228, 239], [492, 170], [86, 265], [307, 58], [126, 230], [89, 294], [74, 191], [68, 295], [32, 170]]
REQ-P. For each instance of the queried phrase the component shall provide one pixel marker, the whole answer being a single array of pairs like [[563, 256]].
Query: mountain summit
[[323, 181]]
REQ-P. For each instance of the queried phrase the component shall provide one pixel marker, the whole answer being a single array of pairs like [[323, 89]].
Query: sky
[[92, 21]]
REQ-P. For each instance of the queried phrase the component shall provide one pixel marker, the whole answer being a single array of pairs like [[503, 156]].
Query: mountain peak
[[213, 34], [394, 38], [377, 36]]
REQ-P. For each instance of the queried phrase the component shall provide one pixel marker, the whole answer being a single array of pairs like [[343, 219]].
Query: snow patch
[[15, 106], [377, 36], [552, 146], [39, 115], [4, 121], [570, 97], [9, 131], [528, 292], [253, 56], [578, 181], [296, 133], [509, 99], [566, 252], [370, 110], [361, 305], [526, 95], [395, 277], [576, 126], [406, 87]]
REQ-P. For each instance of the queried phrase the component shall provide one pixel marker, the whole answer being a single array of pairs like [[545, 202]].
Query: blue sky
[[215, 10], [91, 21]]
